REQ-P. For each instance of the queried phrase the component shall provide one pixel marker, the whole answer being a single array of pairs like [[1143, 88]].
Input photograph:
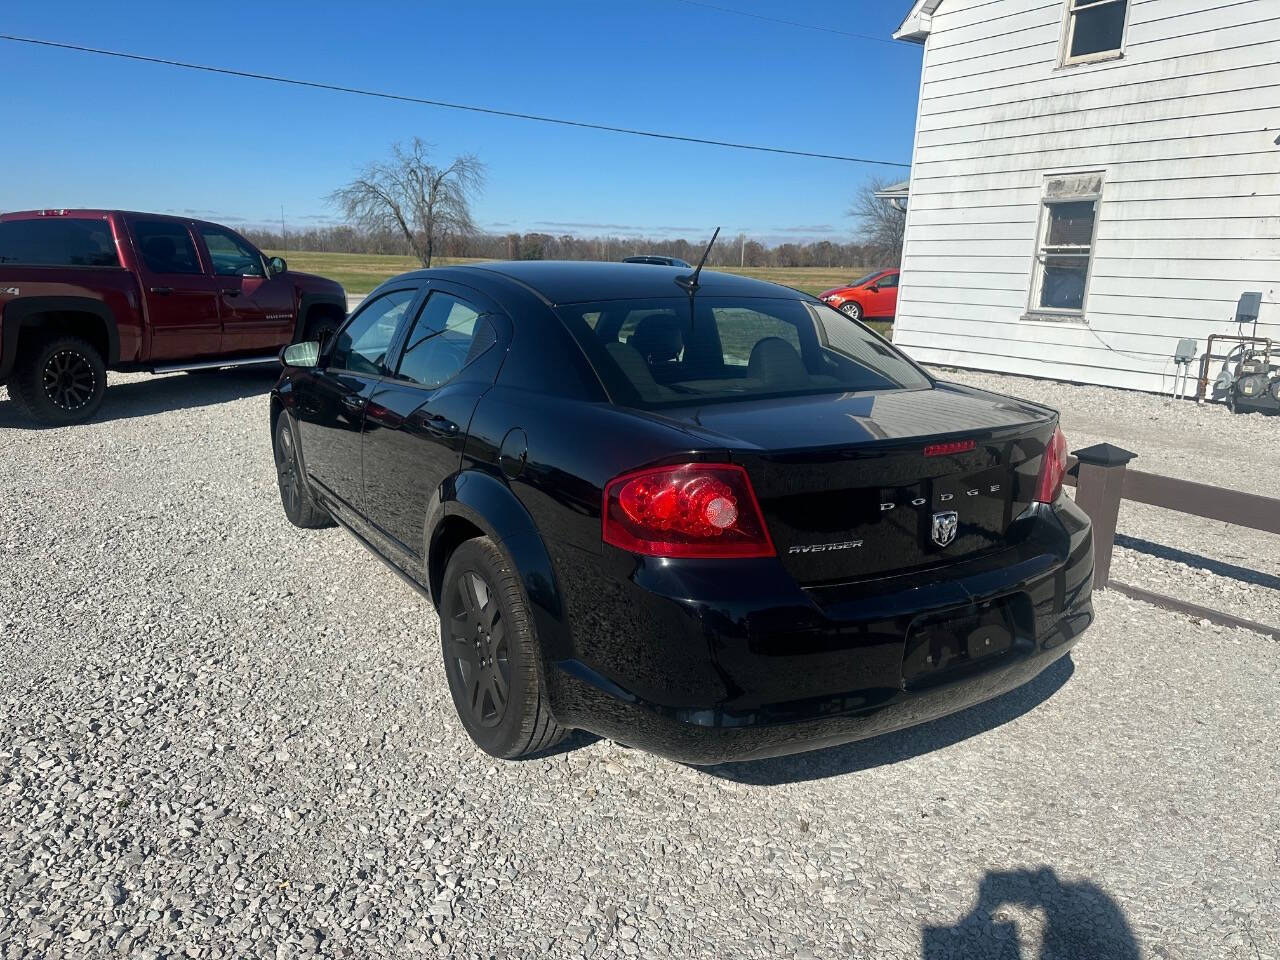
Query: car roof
[[582, 281]]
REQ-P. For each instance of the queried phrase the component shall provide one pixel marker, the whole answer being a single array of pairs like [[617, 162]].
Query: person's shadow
[[1081, 922]]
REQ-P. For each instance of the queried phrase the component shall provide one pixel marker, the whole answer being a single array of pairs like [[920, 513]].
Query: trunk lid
[[848, 491]]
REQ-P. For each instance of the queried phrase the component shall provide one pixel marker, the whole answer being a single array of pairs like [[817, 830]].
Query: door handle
[[231, 292], [162, 291]]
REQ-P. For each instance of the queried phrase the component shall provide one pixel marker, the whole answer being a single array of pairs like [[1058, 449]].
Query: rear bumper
[[756, 667]]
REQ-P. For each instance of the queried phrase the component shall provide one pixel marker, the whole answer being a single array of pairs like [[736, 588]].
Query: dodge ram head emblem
[[944, 527]]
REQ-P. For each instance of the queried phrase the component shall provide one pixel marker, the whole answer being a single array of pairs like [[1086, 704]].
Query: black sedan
[[703, 515]]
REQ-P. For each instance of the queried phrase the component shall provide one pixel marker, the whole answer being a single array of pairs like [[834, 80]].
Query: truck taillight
[[693, 510], [1053, 467]]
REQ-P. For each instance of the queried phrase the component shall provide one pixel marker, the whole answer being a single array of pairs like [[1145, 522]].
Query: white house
[[1092, 181]]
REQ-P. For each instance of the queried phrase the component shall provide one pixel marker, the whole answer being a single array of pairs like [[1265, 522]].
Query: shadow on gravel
[[1220, 567], [1080, 920], [903, 744], [143, 398]]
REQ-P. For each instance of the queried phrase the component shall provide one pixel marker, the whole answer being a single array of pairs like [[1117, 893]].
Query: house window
[[1064, 252], [1095, 29]]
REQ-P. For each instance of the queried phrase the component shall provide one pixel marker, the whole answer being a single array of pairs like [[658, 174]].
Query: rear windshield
[[58, 243], [667, 352]]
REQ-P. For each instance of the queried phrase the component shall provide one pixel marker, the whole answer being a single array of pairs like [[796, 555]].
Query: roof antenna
[[690, 282]]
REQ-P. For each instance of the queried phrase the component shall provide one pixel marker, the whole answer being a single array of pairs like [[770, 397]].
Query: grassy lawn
[[359, 273]]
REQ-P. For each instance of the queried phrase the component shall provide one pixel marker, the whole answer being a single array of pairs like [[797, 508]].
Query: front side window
[[888, 281], [447, 336], [166, 247], [361, 346], [669, 352], [1094, 30], [58, 242], [231, 256]]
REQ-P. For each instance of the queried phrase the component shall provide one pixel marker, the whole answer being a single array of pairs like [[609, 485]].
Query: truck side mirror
[[277, 266]]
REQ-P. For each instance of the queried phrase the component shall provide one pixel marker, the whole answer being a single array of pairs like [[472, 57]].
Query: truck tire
[[491, 655], [320, 329], [59, 380], [299, 506]]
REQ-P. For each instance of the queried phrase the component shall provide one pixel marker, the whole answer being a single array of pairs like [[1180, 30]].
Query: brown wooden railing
[[1102, 478]]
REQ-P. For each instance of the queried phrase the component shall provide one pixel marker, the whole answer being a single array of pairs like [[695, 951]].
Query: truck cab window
[[166, 247], [231, 256]]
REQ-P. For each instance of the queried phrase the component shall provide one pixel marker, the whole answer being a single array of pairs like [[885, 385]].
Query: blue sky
[[82, 130]]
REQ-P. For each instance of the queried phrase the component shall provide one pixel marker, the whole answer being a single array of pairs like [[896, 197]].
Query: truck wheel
[[299, 506], [60, 381], [320, 330], [491, 656]]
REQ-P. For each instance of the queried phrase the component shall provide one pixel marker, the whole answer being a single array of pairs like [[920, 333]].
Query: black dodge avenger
[[695, 513]]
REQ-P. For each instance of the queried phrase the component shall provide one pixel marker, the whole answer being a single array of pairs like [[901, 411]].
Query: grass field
[[359, 273]]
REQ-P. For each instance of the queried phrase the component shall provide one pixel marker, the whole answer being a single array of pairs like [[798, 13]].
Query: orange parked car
[[875, 296]]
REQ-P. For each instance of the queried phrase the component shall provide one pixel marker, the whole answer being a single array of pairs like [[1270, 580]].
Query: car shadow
[[161, 394], [900, 745], [1080, 920]]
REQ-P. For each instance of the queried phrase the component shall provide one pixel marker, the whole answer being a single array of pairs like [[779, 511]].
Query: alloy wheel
[[852, 310], [287, 469], [69, 380], [479, 651]]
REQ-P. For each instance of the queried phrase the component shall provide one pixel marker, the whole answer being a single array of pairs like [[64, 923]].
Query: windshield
[[663, 353], [867, 279]]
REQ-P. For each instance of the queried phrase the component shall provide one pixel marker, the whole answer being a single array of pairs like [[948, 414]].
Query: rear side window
[[58, 242], [672, 351], [447, 336], [166, 247]]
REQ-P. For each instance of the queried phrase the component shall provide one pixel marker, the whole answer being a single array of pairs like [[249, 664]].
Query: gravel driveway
[[224, 737]]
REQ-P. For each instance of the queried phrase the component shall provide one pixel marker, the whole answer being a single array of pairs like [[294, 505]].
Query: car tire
[[299, 505], [60, 380], [491, 655], [852, 310]]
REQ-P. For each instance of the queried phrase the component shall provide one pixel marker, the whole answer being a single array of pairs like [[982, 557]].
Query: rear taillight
[[692, 510], [1052, 468]]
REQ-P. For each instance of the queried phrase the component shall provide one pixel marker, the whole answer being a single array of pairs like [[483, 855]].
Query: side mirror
[[277, 266], [874, 288], [301, 355]]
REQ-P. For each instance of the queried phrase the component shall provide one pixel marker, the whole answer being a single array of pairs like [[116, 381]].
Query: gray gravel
[[223, 737], [1204, 561]]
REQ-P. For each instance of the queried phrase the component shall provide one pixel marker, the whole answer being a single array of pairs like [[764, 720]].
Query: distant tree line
[[728, 251]]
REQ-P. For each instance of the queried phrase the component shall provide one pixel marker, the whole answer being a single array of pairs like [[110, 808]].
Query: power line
[[226, 71], [792, 23]]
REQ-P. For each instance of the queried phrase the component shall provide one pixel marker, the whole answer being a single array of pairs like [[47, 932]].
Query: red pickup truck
[[84, 291]]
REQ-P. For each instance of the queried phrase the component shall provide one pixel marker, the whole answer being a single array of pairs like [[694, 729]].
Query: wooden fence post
[[1099, 488]]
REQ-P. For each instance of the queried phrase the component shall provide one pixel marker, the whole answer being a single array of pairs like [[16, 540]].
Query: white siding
[[1184, 126]]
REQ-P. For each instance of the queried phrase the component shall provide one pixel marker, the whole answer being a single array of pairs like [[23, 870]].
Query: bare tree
[[409, 194], [882, 223]]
